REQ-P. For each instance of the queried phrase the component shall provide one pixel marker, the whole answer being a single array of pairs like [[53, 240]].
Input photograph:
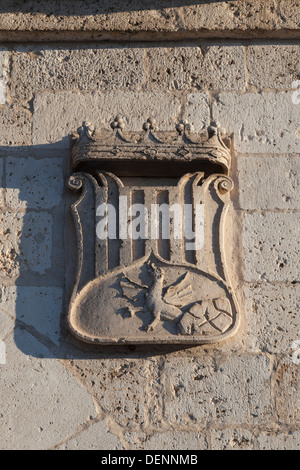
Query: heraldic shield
[[150, 222]]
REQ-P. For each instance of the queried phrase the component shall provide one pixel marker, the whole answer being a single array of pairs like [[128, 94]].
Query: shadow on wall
[[35, 256], [32, 246], [83, 8]]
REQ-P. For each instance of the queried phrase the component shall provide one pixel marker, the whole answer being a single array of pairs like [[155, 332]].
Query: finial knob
[[118, 123], [150, 124], [87, 128]]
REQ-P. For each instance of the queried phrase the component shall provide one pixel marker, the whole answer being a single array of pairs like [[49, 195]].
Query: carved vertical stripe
[[176, 226], [138, 245], [163, 242], [101, 256], [125, 251]]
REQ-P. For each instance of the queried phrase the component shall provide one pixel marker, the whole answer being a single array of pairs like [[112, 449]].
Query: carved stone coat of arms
[[150, 221]]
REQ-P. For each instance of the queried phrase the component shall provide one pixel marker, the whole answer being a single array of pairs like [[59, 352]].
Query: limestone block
[[237, 392], [169, 440], [269, 182], [6, 322], [288, 12], [120, 387], [38, 307], [271, 248], [91, 67], [273, 66], [33, 184], [240, 16], [272, 316], [279, 441], [228, 439], [135, 16], [96, 437], [57, 115], [209, 66], [15, 125], [261, 122], [176, 68], [25, 243], [286, 389], [11, 230], [223, 67], [197, 111], [36, 246], [41, 402]]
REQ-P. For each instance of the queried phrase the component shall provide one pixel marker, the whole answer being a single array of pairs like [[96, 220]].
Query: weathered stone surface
[[96, 437], [271, 248], [4, 65], [121, 387], [279, 441], [6, 322], [176, 68], [33, 184], [197, 111], [56, 115], [228, 439], [287, 389], [236, 392], [91, 67], [253, 118], [269, 182], [273, 66], [25, 243], [223, 67], [169, 440], [41, 403], [272, 316], [44, 314], [10, 240], [203, 67], [15, 126], [35, 242], [241, 17]]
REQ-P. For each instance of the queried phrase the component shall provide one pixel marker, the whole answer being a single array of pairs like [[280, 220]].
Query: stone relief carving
[[142, 276]]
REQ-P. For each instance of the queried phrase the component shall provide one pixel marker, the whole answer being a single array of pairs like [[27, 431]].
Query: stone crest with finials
[[150, 221]]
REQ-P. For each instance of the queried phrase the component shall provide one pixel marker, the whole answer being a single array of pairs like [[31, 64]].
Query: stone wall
[[138, 19], [56, 393]]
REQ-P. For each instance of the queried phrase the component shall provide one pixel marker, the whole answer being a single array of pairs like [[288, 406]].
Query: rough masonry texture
[[236, 63], [134, 18]]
